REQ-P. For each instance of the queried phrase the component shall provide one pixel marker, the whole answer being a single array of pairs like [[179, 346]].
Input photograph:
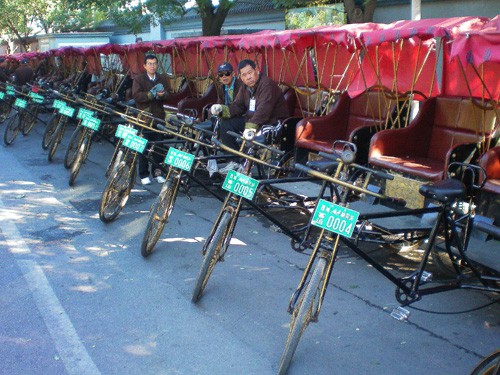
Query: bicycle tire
[[212, 255], [114, 162], [490, 365], [74, 146], [55, 140], [11, 130], [116, 193], [29, 120], [301, 315], [158, 216], [80, 158], [49, 131]]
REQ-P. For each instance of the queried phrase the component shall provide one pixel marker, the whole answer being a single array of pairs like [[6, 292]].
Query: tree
[[357, 11], [26, 18]]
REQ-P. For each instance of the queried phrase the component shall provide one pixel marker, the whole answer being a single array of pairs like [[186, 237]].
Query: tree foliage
[[24, 18]]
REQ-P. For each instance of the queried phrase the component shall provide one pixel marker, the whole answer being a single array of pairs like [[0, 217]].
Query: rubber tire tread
[[29, 120], [123, 195], [80, 158], [74, 145], [161, 208], [12, 129], [49, 131], [490, 365], [212, 255], [305, 306]]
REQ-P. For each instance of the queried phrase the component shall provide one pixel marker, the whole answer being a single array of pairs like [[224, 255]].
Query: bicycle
[[305, 303], [180, 161], [123, 165], [240, 187], [65, 113]]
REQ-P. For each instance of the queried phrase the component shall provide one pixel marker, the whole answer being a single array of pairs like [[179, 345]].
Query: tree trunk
[[360, 13], [212, 18]]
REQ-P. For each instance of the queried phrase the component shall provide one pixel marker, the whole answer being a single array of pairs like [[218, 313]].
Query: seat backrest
[[490, 162], [371, 108], [458, 121], [290, 97], [308, 101], [201, 85]]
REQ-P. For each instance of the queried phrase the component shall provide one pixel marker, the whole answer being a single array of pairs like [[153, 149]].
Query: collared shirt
[[229, 92]]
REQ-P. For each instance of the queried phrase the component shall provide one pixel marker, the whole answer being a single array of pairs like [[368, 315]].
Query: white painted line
[[72, 352]]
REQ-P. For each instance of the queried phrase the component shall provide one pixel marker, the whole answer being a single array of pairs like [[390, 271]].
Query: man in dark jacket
[[23, 74], [230, 84], [4, 73], [150, 90], [259, 102]]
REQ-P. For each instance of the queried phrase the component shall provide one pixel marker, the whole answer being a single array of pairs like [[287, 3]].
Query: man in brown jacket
[[149, 91], [259, 102], [23, 74]]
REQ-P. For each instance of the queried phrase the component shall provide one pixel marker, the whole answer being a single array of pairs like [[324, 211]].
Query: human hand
[[216, 109]]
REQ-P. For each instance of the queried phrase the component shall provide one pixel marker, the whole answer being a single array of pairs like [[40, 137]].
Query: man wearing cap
[[230, 84], [150, 90], [259, 102], [23, 74]]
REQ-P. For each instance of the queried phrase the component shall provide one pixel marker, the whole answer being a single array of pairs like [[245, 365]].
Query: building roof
[[241, 6]]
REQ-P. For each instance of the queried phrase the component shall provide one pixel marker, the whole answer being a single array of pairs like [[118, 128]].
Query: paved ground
[[78, 298]]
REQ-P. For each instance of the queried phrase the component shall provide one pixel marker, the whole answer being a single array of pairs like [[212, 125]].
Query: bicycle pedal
[[400, 313]]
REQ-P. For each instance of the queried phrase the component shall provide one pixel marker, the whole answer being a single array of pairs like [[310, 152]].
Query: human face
[[226, 77], [249, 75], [151, 66]]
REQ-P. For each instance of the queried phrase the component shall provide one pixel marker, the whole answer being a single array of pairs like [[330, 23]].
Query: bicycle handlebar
[[260, 145], [380, 174]]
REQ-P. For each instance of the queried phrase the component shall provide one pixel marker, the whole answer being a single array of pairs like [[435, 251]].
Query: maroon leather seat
[[446, 129], [490, 162], [353, 120], [198, 103]]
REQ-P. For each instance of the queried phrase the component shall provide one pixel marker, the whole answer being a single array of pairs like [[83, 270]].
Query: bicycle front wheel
[[215, 247], [489, 365], [116, 192], [302, 314], [74, 146], [29, 120], [12, 129], [80, 157], [49, 131], [159, 214]]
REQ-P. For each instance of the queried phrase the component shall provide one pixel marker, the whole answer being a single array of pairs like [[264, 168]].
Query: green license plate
[[36, 97], [83, 112], [2, 95], [135, 143], [20, 103], [91, 123], [240, 184], [179, 159], [122, 131], [67, 111], [10, 92], [58, 104], [335, 218]]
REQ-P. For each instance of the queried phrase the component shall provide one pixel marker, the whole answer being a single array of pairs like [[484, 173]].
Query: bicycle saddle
[[443, 191]]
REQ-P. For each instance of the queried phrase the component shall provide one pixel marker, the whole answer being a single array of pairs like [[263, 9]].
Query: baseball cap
[[24, 61], [224, 67]]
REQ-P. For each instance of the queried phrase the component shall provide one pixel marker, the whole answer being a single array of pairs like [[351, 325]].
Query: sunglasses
[[225, 74]]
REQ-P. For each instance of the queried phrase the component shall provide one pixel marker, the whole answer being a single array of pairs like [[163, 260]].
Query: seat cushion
[[425, 168]]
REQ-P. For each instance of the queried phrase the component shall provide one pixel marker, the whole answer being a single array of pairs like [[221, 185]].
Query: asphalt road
[[76, 296]]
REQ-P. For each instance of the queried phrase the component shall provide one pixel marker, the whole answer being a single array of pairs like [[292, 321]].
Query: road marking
[[72, 352]]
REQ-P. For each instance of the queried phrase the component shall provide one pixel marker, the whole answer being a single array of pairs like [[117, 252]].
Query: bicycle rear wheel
[[49, 131], [80, 158], [29, 120], [214, 249], [12, 129], [159, 214], [116, 192], [302, 314], [74, 146]]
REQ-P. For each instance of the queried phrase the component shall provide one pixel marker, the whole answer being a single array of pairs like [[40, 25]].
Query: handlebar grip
[[302, 168], [487, 228], [161, 127]]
